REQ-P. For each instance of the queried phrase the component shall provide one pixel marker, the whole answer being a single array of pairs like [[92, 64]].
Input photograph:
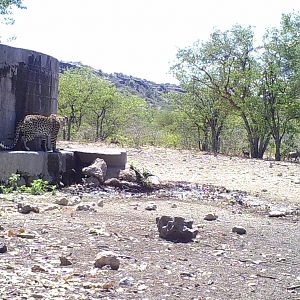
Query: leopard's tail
[[13, 145]]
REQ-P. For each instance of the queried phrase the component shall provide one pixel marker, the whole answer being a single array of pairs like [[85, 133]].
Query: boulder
[[107, 258], [97, 169], [127, 175], [176, 229]]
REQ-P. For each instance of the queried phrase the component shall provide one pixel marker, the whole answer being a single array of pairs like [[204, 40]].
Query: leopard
[[33, 126]]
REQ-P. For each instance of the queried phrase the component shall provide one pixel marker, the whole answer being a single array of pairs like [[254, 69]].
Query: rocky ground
[[50, 252]]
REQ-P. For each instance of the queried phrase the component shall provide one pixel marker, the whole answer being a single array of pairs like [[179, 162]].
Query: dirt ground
[[264, 263]]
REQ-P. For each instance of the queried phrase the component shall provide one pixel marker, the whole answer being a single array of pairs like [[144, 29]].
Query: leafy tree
[[226, 65], [6, 11], [75, 91], [104, 101], [280, 81]]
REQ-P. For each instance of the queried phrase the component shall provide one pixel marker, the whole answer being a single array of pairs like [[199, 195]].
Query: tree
[[226, 65], [104, 101], [203, 108], [6, 11], [280, 78], [75, 92]]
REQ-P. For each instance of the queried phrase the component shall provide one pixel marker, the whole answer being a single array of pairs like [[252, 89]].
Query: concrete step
[[65, 165]]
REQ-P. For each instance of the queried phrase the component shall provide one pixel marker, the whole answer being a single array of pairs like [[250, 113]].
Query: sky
[[134, 37]]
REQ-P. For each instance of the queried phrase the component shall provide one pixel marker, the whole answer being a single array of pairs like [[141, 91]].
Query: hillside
[[152, 92]]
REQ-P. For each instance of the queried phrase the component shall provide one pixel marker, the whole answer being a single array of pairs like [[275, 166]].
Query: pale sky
[[135, 37]]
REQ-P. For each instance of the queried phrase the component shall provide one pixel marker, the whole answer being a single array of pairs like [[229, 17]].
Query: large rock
[[97, 169], [176, 229]]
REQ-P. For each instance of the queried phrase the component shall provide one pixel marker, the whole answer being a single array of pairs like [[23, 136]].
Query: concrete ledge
[[65, 166]]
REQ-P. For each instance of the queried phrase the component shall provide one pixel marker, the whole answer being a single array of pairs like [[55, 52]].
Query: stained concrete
[[28, 85]]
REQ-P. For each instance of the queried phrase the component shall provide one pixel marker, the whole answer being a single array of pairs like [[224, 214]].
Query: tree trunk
[[277, 149], [205, 141], [97, 128], [69, 125]]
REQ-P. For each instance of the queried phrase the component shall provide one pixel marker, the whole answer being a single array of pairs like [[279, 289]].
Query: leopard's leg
[[45, 143], [25, 143], [53, 138]]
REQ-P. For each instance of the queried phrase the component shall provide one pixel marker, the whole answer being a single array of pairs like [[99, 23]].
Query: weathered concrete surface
[[64, 166], [115, 160], [33, 164], [28, 85]]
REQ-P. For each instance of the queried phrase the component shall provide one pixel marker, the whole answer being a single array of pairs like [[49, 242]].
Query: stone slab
[[64, 166]]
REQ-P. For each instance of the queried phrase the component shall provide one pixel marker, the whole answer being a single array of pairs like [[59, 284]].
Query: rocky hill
[[152, 92]]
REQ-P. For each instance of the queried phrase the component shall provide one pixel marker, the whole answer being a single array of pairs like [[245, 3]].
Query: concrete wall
[[28, 85]]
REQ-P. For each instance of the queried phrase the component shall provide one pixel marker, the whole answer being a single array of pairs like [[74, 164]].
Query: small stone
[[127, 175], [51, 208], [24, 235], [100, 203], [107, 258], [91, 181], [174, 205], [142, 287], [86, 207], [1, 228], [276, 213], [24, 208], [63, 201], [3, 247], [75, 200], [37, 268], [151, 206], [126, 281], [114, 182], [64, 261], [211, 217], [239, 230]]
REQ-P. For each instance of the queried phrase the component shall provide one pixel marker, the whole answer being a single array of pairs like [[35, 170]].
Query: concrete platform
[[65, 165]]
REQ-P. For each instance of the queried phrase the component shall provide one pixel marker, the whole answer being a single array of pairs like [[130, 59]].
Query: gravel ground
[[264, 263]]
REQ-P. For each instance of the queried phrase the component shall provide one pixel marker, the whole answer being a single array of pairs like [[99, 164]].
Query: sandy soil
[[262, 264], [274, 181]]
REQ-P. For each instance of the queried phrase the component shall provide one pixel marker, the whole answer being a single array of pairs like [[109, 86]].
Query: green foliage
[[141, 176], [5, 9], [96, 110], [237, 96], [37, 187], [227, 75]]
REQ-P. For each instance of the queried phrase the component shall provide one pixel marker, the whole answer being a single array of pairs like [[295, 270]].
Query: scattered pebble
[[86, 207], [64, 261], [126, 281], [63, 201], [239, 230], [211, 217], [151, 206], [25, 235], [107, 259], [276, 213], [3, 247], [24, 208]]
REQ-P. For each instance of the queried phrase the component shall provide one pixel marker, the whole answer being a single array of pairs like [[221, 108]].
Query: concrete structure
[[28, 85], [64, 166]]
